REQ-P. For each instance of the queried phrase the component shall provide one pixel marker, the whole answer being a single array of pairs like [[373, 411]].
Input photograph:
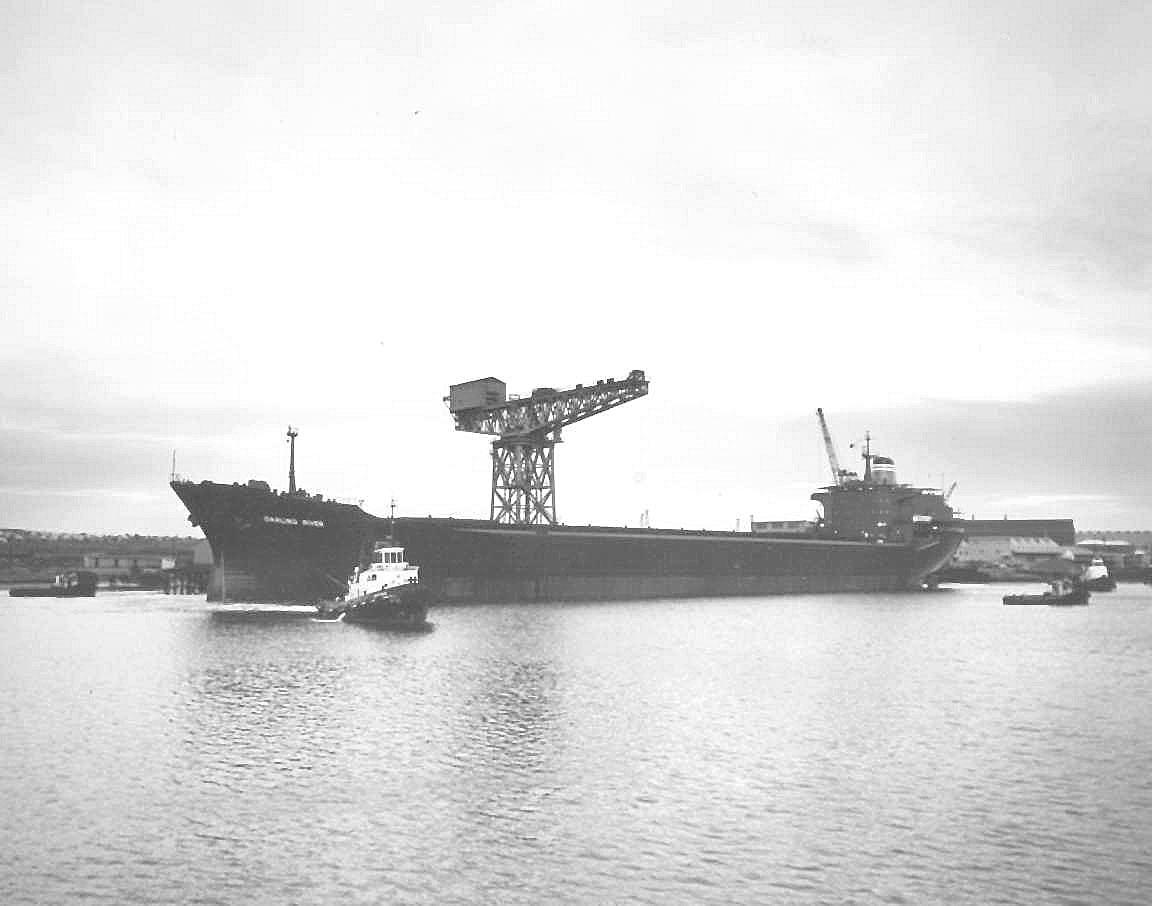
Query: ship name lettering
[[282, 520], [315, 523]]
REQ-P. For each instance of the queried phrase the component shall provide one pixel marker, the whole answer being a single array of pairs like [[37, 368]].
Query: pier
[[186, 580]]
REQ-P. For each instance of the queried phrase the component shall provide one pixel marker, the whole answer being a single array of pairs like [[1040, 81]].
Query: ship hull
[[270, 546], [465, 561], [279, 547]]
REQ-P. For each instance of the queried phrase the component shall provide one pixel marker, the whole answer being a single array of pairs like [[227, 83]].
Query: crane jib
[[527, 430], [525, 416]]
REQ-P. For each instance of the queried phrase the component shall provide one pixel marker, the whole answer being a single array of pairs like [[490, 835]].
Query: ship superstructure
[[876, 507], [387, 569]]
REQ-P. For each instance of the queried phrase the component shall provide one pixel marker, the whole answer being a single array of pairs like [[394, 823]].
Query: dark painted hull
[[80, 584], [51, 591], [473, 561], [403, 608], [270, 547], [1076, 598]]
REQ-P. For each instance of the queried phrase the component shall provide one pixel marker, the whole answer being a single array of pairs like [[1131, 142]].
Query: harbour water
[[934, 748]]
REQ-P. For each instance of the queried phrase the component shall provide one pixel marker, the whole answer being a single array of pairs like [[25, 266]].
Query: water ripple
[[814, 749]]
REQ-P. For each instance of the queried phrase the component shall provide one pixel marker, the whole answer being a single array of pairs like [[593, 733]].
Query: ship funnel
[[883, 470]]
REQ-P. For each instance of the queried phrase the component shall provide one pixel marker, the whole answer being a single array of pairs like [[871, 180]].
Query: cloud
[[221, 221], [1079, 453]]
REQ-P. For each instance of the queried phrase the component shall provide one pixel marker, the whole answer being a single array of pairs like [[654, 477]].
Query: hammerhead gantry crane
[[528, 429]]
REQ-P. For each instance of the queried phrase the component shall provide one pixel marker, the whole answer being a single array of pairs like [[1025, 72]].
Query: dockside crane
[[528, 429]]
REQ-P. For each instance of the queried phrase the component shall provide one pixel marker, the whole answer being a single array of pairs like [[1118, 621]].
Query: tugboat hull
[[74, 585], [1078, 597], [403, 608]]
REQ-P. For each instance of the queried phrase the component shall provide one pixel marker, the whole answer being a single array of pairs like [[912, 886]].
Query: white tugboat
[[386, 592], [1097, 576]]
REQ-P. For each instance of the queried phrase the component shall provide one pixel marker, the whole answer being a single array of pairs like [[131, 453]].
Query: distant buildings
[[27, 554], [1005, 557], [122, 565], [1124, 553]]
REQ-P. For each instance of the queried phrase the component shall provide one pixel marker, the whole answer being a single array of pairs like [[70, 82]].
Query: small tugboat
[[80, 584], [1063, 593], [386, 593], [1097, 577]]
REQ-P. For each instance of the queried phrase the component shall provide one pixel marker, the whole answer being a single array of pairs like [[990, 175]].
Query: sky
[[933, 220]]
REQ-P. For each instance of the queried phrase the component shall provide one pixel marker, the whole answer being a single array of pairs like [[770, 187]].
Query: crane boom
[[833, 460], [549, 410], [527, 430]]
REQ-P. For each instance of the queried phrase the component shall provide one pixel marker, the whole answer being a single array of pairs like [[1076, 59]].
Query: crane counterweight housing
[[527, 431]]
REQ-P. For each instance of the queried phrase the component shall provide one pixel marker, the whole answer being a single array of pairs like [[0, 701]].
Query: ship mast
[[292, 459]]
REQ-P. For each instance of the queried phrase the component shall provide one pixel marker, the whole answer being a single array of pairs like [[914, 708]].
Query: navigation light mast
[[292, 459]]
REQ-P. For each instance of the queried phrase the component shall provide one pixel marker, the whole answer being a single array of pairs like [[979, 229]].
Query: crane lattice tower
[[528, 429]]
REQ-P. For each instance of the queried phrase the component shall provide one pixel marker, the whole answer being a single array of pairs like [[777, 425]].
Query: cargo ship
[[875, 535]]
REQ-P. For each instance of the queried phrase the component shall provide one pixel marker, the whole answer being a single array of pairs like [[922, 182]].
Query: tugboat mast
[[291, 460]]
